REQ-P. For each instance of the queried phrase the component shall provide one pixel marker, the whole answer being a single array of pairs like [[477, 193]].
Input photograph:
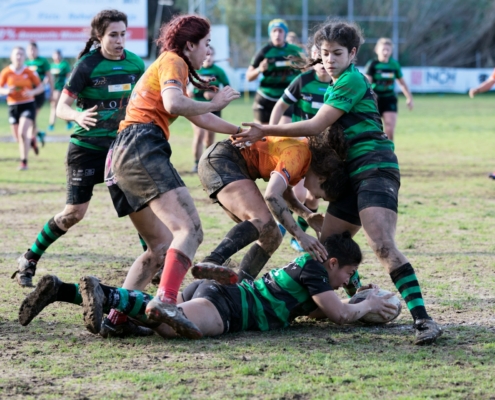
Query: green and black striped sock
[[407, 284], [69, 293], [143, 243], [130, 302], [49, 234]]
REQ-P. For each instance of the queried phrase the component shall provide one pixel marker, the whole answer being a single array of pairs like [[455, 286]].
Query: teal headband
[[277, 23]]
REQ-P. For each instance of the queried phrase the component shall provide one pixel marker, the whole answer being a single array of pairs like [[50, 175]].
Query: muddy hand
[[252, 135], [224, 97], [313, 247]]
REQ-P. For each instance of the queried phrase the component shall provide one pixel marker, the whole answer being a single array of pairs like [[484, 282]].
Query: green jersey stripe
[[261, 319], [278, 306], [376, 165]]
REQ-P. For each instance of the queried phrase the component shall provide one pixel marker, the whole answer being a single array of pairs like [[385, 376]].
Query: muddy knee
[[270, 236]]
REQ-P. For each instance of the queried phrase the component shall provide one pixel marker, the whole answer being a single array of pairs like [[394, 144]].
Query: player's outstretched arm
[[212, 123], [484, 87], [277, 112]]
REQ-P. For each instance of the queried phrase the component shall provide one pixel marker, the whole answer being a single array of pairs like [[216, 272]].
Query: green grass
[[446, 219]]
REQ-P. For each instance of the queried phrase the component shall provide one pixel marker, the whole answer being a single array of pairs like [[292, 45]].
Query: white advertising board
[[65, 24]]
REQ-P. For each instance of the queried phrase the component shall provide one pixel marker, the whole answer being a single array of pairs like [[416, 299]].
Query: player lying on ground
[[303, 287], [228, 174]]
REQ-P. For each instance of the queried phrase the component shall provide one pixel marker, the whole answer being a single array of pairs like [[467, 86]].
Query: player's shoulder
[[293, 49], [353, 77], [134, 58]]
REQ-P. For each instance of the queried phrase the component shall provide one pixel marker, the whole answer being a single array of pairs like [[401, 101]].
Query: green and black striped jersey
[[384, 76], [215, 72], [306, 92], [369, 148], [282, 294], [39, 65], [96, 80], [280, 72]]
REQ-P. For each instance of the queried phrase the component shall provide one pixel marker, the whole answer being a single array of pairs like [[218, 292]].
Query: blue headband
[[277, 23]]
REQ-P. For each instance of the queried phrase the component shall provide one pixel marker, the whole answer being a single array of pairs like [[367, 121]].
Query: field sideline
[[446, 229]]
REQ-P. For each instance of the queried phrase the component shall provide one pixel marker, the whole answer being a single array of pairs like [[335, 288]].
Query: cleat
[[219, 273], [25, 271], [158, 276], [427, 331], [34, 146], [492, 176], [170, 314], [283, 231], [23, 167], [92, 303], [194, 168], [126, 329], [50, 128], [44, 294], [41, 135], [70, 124], [296, 246]]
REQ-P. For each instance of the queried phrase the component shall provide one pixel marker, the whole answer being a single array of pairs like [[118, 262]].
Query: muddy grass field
[[446, 228]]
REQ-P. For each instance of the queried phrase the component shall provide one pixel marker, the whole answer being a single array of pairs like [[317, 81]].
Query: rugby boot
[[25, 271], [427, 331], [296, 246], [44, 294], [126, 329], [34, 146], [170, 314], [41, 136], [93, 299], [219, 273]]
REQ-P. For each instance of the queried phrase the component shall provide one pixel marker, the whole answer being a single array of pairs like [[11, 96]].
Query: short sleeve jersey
[[280, 72], [306, 92], [384, 76], [59, 71], [39, 65], [22, 81], [290, 158], [168, 72], [282, 294], [107, 84], [369, 148], [212, 72]]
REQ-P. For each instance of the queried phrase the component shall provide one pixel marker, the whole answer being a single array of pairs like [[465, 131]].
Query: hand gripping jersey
[[59, 72], [107, 84], [369, 148], [279, 73], [214, 72], [22, 81], [279, 296], [306, 92], [384, 76], [39, 65], [288, 157], [168, 72]]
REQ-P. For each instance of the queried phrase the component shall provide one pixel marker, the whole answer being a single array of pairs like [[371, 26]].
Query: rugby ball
[[374, 318]]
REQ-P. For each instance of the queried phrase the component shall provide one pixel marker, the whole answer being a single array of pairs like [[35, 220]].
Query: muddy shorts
[[262, 108], [377, 191], [138, 168], [387, 104], [24, 110], [85, 168], [225, 298], [40, 99], [222, 163]]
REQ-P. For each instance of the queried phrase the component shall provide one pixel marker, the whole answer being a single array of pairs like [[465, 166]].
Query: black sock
[[49, 234], [253, 262], [69, 293], [143, 243], [407, 284], [236, 239]]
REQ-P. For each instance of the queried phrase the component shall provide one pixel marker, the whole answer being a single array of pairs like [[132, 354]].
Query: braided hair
[[174, 36], [99, 25]]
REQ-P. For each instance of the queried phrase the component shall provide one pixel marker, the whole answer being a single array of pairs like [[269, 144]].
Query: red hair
[[174, 36]]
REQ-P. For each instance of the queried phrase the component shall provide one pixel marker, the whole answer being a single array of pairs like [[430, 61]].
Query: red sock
[[175, 269], [116, 317]]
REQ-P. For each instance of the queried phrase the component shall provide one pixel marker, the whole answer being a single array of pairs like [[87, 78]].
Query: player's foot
[[41, 137], [70, 124], [92, 302], [26, 269], [158, 276], [427, 331], [194, 168], [283, 231], [492, 176], [51, 128], [295, 245], [219, 273], [34, 146], [173, 316], [44, 294], [126, 329], [23, 166]]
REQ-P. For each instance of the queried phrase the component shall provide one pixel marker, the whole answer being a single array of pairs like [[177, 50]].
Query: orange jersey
[[20, 82], [168, 72], [288, 157]]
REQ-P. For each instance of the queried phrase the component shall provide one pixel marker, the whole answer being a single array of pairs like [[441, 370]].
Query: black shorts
[[226, 299], [387, 104], [24, 110], [138, 168], [379, 191], [39, 99], [85, 168], [222, 163], [289, 111], [262, 108]]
